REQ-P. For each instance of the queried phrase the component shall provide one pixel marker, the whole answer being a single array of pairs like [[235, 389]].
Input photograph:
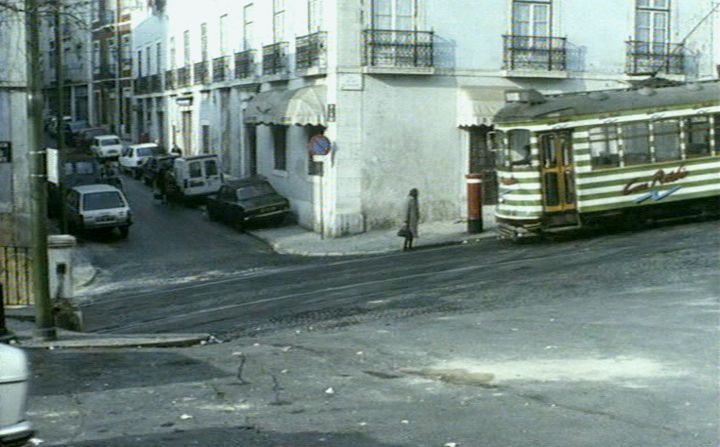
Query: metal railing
[[169, 79], [645, 58], [543, 53], [221, 66], [106, 71], [183, 76], [245, 64], [311, 50], [141, 85], [394, 48], [154, 84], [16, 275], [275, 58], [201, 73]]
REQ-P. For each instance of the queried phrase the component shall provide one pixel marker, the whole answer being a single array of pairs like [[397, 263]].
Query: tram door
[[558, 171]]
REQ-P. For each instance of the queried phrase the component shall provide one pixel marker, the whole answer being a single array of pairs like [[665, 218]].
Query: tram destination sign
[[5, 152]]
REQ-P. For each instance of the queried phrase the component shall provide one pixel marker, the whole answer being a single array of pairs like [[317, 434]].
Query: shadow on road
[[62, 373]]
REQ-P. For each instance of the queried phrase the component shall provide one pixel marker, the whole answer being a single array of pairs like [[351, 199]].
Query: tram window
[[697, 136], [496, 143], [547, 147], [519, 145], [666, 136], [636, 143], [604, 147], [716, 126]]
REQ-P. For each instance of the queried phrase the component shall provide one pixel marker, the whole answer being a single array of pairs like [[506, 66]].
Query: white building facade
[[405, 90]]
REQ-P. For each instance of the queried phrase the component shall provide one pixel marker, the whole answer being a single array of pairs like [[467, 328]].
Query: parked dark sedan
[[248, 200], [72, 129]]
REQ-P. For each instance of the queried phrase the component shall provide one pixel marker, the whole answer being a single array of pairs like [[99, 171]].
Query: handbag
[[404, 231]]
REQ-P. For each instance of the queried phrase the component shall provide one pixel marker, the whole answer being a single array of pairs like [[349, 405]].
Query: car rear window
[[250, 191], [102, 200], [145, 151], [109, 142]]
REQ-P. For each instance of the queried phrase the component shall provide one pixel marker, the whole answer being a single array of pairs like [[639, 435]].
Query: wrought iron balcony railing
[[201, 73], [106, 71], [393, 48], [245, 64], [645, 58], [221, 66], [275, 58], [542, 53], [183, 76], [141, 85], [154, 84], [169, 79], [311, 50]]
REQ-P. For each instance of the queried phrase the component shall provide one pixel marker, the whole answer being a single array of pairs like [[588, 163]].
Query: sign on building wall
[[5, 152]]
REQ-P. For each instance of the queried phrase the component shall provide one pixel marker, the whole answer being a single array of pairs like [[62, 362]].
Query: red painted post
[[474, 197]]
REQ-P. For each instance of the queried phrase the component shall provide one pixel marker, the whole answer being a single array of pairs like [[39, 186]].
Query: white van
[[15, 430], [195, 177]]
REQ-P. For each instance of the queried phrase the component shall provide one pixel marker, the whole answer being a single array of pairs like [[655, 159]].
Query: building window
[[604, 147], [222, 34], [315, 16], [652, 21], [279, 135], [140, 63], [666, 140], [697, 137], [531, 18], [205, 139], [636, 143], [158, 57], [278, 21], [148, 55], [186, 48], [247, 27], [203, 42], [173, 53], [394, 14]]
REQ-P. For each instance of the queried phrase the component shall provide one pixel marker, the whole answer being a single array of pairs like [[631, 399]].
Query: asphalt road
[[602, 341]]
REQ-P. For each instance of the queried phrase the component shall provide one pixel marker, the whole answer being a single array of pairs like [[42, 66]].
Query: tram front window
[[519, 145]]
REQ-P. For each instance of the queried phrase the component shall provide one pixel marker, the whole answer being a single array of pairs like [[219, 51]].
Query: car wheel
[[124, 231]]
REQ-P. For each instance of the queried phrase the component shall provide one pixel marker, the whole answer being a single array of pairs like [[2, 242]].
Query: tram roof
[[547, 107]]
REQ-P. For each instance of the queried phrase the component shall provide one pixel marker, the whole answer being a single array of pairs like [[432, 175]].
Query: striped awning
[[478, 105], [302, 106]]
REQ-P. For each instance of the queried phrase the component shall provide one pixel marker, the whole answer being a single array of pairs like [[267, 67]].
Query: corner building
[[405, 90]]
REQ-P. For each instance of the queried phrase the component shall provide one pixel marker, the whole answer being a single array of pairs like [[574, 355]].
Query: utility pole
[[44, 320], [60, 107], [118, 67]]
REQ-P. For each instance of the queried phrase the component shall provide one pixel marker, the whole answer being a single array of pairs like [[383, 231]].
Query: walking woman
[[412, 216]]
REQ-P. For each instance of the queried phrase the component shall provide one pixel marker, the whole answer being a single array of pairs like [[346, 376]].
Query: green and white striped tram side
[[606, 157]]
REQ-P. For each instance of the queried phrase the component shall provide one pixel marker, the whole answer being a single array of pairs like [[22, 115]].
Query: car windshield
[[146, 151], [109, 142], [250, 191], [102, 200]]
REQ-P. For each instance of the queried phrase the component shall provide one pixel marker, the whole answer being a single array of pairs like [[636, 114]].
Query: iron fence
[[275, 58], [393, 48], [220, 68], [543, 53], [183, 76], [15, 275], [644, 58], [245, 64], [311, 50], [169, 79], [201, 73]]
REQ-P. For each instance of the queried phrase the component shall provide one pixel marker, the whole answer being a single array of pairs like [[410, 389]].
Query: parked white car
[[106, 146], [135, 155], [15, 430]]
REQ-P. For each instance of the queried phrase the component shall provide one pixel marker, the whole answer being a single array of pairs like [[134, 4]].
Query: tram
[[606, 157]]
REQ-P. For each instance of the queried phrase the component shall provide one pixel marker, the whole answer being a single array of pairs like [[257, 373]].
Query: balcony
[[169, 79], [648, 58], [541, 55], [221, 68], [154, 84], [201, 73], [398, 49], [105, 72], [311, 51], [275, 59], [245, 64], [142, 85], [183, 77]]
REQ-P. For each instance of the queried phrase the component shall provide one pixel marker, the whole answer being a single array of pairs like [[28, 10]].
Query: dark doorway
[[252, 149]]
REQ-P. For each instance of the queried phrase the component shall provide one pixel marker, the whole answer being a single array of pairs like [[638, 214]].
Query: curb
[[75, 340]]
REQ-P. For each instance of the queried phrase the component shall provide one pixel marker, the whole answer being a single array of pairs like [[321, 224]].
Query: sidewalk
[[295, 240], [20, 321]]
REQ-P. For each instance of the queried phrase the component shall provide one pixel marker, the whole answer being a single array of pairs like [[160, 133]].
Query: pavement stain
[[454, 376]]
